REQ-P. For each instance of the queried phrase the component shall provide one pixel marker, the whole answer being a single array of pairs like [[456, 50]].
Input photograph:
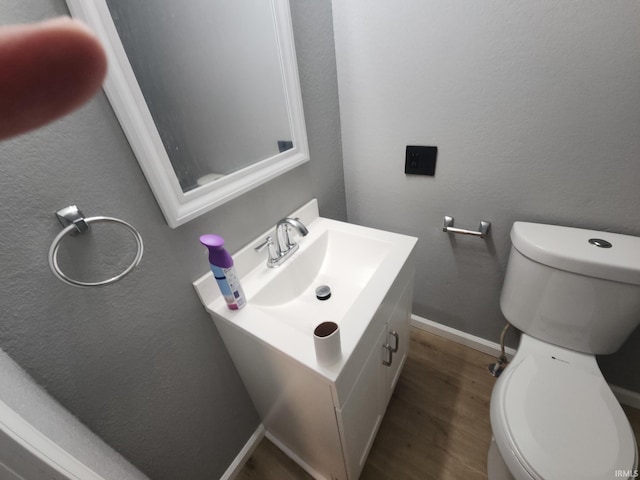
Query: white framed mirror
[[207, 94]]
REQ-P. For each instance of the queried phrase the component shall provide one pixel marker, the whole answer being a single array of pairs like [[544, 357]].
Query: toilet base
[[496, 468]]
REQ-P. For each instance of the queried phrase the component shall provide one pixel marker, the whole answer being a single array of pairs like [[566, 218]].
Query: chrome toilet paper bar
[[481, 232]]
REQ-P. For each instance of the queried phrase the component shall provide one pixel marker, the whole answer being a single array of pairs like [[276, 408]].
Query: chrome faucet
[[284, 246]]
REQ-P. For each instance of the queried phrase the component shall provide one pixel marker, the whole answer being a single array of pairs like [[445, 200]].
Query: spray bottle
[[224, 272]]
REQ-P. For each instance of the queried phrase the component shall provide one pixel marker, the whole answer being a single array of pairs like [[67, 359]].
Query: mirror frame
[[130, 107]]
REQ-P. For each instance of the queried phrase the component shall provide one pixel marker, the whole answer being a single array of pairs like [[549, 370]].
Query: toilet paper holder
[[482, 231]]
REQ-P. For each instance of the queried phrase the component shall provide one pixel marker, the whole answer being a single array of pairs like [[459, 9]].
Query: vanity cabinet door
[[398, 339], [362, 413]]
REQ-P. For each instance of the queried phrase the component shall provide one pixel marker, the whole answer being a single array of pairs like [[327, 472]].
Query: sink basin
[[359, 264], [344, 261]]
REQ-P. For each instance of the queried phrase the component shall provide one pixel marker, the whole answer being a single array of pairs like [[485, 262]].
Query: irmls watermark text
[[626, 473]]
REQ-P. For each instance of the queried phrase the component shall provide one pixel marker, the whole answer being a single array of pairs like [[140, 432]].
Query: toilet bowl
[[573, 293], [554, 417]]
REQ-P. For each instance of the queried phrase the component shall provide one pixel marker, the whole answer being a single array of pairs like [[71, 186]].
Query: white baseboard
[[244, 454], [471, 341], [289, 453], [250, 447], [624, 396]]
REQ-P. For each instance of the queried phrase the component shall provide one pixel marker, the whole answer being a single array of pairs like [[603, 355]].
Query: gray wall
[[140, 362], [535, 109], [313, 29], [40, 410]]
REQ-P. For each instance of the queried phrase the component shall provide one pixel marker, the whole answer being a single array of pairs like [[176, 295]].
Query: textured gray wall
[[32, 403], [313, 29], [140, 362], [535, 108]]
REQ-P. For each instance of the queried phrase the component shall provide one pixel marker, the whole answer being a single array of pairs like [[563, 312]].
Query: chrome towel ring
[[75, 223]]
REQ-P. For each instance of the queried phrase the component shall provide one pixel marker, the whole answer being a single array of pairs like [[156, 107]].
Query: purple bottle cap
[[211, 240], [218, 256]]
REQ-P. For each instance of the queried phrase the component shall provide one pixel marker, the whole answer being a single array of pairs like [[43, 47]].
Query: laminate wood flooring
[[436, 426]]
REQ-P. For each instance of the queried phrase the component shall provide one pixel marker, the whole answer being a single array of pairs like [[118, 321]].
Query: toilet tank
[[579, 289]]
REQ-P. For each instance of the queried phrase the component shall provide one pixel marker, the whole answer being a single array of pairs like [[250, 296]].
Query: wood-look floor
[[436, 426]]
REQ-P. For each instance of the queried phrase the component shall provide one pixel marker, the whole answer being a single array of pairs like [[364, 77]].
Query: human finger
[[47, 69]]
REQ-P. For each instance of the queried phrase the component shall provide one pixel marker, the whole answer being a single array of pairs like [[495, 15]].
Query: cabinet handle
[[395, 334], [387, 363]]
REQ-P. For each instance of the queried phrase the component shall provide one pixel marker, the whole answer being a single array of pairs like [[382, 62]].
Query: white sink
[[344, 261], [359, 264]]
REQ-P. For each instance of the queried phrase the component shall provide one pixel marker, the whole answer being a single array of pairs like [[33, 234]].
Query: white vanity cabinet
[[361, 414], [327, 425], [398, 337], [325, 417]]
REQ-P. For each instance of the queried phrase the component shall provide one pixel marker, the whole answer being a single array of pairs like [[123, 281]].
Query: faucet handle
[[284, 238], [267, 241], [271, 246]]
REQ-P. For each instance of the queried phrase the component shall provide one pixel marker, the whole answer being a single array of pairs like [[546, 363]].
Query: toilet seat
[[554, 417]]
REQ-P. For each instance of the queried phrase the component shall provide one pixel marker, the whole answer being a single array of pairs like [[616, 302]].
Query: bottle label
[[230, 287]]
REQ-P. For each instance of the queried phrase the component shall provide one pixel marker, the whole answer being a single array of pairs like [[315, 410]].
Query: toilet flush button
[[598, 242]]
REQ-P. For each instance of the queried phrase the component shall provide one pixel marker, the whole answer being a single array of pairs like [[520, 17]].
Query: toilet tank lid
[[575, 250]]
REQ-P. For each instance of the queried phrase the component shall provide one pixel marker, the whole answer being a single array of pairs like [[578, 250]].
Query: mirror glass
[[207, 93], [210, 74]]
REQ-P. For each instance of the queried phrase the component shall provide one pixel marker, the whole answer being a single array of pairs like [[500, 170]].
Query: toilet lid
[[564, 422]]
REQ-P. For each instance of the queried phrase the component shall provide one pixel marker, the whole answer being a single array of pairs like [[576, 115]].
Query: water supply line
[[496, 369]]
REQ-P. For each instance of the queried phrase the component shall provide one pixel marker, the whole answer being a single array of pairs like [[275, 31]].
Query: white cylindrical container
[[326, 338]]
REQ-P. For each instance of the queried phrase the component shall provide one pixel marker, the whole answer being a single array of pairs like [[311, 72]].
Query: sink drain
[[323, 292]]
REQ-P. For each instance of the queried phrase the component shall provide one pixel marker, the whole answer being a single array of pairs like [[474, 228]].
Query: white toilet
[[573, 293]]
